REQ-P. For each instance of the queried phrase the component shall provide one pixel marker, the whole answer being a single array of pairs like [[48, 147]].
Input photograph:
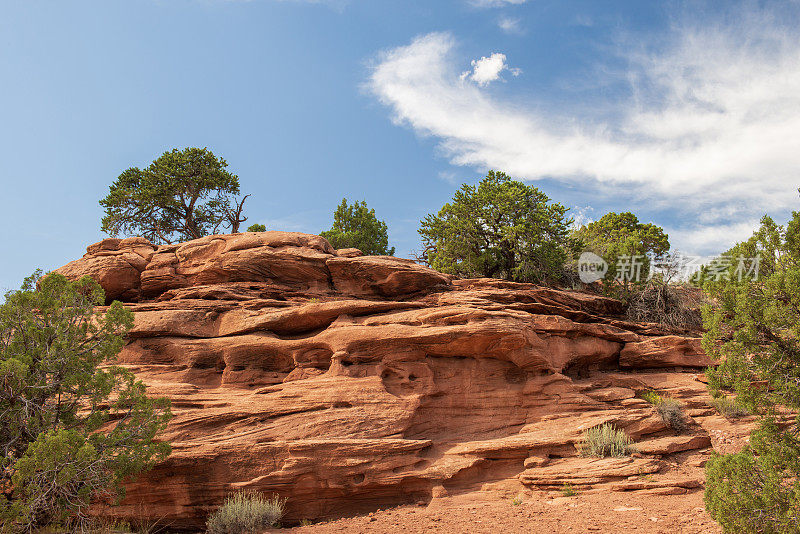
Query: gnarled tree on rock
[[182, 195]]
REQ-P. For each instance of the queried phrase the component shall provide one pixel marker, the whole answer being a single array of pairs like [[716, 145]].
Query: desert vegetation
[[181, 195], [728, 407], [670, 410], [356, 226], [753, 328], [567, 490], [621, 235], [257, 227], [73, 426], [605, 440], [246, 513], [500, 228]]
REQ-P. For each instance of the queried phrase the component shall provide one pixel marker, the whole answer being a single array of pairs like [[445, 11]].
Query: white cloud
[[711, 240], [509, 25], [709, 131], [582, 19], [495, 3], [450, 177], [581, 215], [487, 69]]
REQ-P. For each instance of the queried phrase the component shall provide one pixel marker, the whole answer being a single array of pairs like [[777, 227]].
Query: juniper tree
[[73, 427], [616, 236], [257, 227], [357, 226], [184, 194], [753, 327], [500, 228]]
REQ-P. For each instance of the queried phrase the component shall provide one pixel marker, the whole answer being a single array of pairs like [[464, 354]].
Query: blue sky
[[686, 113]]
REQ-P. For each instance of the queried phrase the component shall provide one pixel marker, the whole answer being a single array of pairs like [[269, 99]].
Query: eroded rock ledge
[[348, 383]]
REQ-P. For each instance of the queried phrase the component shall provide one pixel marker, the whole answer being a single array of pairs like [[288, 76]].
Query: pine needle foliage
[[73, 426], [753, 328]]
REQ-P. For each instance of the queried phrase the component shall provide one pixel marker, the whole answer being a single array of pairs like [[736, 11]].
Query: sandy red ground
[[504, 508], [537, 513]]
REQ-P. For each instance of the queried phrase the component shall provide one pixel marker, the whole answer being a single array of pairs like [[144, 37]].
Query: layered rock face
[[347, 383]]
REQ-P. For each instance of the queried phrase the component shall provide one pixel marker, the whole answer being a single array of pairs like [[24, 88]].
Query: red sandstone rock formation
[[346, 383]]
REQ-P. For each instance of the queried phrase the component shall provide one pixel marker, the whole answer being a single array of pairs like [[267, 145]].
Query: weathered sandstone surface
[[348, 383]]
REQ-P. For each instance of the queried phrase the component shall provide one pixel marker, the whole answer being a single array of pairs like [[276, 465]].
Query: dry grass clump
[[670, 410], [605, 440], [245, 512], [728, 407]]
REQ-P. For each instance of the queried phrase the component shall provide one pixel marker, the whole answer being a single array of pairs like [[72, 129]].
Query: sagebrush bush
[[728, 407], [245, 512], [670, 410], [605, 440]]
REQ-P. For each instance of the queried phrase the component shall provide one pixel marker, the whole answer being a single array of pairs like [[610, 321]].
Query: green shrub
[[728, 407], [499, 228], [245, 512], [652, 397], [567, 490], [356, 226], [73, 426], [751, 491], [605, 440], [753, 329], [619, 235]]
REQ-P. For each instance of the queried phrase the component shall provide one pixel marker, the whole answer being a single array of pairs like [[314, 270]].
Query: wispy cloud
[[451, 177], [336, 4], [706, 239], [495, 3], [581, 215], [582, 19], [710, 128], [510, 25]]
